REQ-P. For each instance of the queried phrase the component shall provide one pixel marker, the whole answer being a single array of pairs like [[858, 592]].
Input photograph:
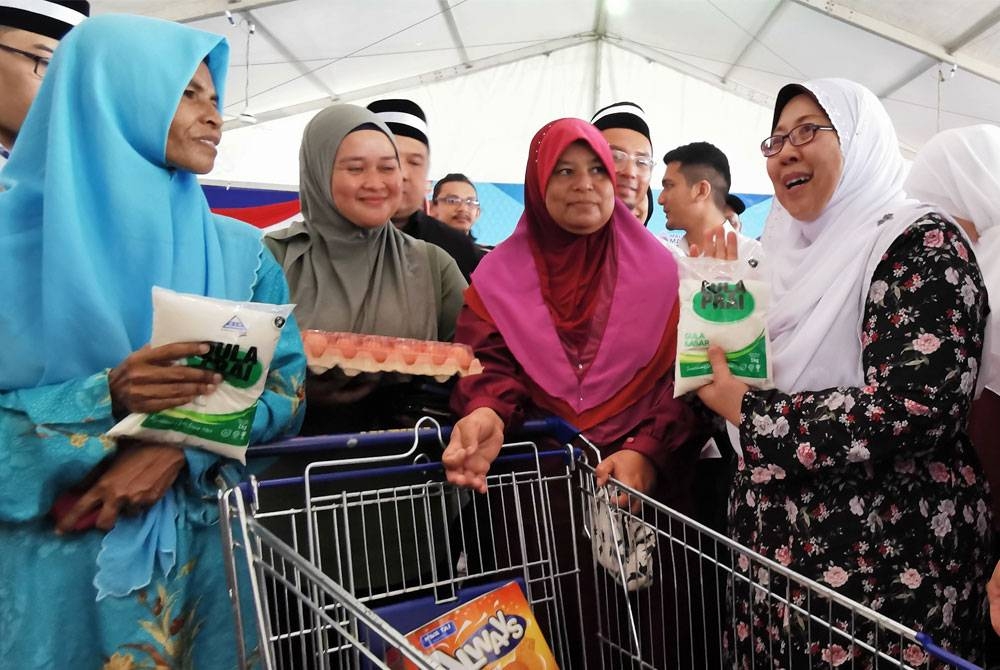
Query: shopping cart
[[615, 579]]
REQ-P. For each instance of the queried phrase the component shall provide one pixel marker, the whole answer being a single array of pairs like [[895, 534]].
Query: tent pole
[[595, 91], [600, 29]]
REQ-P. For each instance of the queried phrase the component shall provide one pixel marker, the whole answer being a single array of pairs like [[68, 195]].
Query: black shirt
[[458, 245]]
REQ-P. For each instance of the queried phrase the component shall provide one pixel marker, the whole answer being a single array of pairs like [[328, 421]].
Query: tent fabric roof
[[495, 70]]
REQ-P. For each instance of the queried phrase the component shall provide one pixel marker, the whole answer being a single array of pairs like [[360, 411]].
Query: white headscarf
[[959, 170], [821, 270]]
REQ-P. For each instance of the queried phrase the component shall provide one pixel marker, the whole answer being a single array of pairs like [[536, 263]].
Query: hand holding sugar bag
[[242, 337], [722, 303]]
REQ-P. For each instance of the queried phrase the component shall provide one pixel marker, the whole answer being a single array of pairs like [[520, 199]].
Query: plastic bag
[[242, 337], [623, 544], [722, 303]]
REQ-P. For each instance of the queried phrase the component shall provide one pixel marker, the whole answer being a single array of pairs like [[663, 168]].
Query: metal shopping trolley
[[374, 548]]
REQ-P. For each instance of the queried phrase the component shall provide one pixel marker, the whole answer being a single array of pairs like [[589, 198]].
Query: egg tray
[[355, 353]]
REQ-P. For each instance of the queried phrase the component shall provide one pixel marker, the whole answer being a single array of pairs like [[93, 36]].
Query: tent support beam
[[960, 42], [456, 36], [292, 59], [595, 89], [754, 39], [690, 70], [974, 32], [600, 28], [903, 38], [890, 90], [444, 74], [185, 11]]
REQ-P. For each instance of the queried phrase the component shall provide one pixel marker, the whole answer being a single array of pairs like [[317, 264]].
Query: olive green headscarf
[[344, 277]]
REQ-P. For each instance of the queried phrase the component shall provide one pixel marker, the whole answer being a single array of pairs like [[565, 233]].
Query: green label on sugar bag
[[239, 368], [749, 362], [232, 429], [723, 302]]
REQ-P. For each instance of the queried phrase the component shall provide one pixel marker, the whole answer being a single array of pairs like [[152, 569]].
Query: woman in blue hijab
[[98, 203]]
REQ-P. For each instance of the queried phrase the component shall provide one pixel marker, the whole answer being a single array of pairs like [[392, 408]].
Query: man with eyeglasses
[[30, 31], [623, 125], [455, 203], [408, 124]]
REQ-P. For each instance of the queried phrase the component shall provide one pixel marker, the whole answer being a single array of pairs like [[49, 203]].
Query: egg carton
[[354, 353]]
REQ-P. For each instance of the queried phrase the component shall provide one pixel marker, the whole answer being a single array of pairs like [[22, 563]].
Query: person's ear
[[703, 190]]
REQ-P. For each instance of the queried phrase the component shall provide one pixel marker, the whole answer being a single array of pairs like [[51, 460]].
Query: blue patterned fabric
[[130, 549], [50, 438]]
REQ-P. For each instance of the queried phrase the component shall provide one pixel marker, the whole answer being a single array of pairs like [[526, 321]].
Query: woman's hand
[[632, 469], [993, 593], [718, 244], [724, 395], [475, 442], [137, 477], [148, 381]]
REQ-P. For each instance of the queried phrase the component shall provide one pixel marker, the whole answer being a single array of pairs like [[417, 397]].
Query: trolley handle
[[349, 442], [432, 467], [943, 654]]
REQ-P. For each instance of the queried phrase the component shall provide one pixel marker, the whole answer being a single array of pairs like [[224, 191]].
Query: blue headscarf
[[92, 217]]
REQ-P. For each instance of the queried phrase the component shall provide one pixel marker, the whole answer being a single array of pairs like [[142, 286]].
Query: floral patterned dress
[[874, 491]]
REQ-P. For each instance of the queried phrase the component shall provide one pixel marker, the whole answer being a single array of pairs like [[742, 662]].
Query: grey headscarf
[[344, 277]]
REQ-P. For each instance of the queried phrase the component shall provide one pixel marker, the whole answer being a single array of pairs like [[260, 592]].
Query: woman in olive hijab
[[349, 269]]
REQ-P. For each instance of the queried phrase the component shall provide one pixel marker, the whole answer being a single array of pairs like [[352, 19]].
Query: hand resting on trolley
[[632, 469], [476, 441]]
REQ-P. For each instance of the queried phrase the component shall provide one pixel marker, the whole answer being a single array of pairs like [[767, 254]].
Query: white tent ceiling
[[490, 72]]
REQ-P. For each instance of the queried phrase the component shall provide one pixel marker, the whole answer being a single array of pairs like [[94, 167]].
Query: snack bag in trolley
[[496, 630], [242, 337], [722, 303]]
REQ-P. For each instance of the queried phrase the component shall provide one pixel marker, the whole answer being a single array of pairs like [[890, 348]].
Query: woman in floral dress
[[856, 471]]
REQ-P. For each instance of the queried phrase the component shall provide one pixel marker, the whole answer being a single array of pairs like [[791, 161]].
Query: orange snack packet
[[496, 630]]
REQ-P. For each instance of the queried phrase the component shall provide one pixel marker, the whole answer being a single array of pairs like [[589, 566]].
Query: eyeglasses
[[41, 62], [797, 136], [642, 162], [455, 201]]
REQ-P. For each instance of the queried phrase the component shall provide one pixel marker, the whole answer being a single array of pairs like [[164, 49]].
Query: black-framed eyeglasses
[[797, 136], [41, 62], [642, 162], [455, 201]]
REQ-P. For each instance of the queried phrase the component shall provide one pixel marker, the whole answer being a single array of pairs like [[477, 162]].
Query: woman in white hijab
[[856, 470], [959, 170]]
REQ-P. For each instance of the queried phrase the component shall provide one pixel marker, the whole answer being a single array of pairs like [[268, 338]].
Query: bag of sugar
[[722, 303], [242, 337]]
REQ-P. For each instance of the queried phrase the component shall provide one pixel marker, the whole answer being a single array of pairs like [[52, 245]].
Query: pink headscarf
[[603, 299]]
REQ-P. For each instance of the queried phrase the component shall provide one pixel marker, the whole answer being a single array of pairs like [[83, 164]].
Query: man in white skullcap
[[30, 31], [408, 124], [623, 125]]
